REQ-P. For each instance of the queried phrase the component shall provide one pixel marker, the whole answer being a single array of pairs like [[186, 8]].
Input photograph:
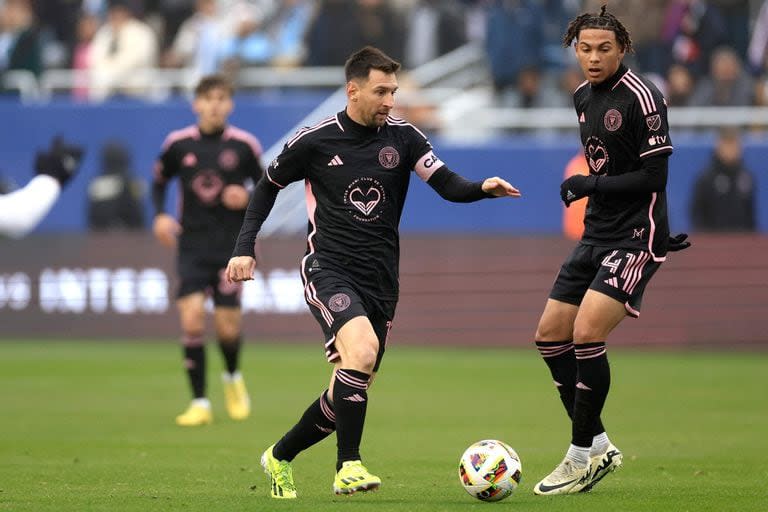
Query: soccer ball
[[490, 470]]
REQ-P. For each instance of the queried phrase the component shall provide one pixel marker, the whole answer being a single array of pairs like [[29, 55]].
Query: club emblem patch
[[389, 157], [612, 120], [653, 122], [367, 196], [228, 159], [597, 155], [339, 302]]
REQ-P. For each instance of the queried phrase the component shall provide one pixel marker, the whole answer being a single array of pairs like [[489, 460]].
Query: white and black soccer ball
[[490, 470]]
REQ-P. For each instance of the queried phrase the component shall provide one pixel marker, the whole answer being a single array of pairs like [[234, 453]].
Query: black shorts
[[621, 274], [334, 301], [204, 272]]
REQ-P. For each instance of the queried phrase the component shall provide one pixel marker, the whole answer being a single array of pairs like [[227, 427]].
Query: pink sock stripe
[[190, 340], [556, 350], [351, 381], [590, 352], [326, 408]]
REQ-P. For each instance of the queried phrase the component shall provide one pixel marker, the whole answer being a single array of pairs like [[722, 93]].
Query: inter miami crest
[[389, 157], [612, 120]]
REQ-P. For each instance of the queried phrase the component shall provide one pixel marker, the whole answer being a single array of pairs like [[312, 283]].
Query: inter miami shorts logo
[[339, 302], [389, 157], [612, 120]]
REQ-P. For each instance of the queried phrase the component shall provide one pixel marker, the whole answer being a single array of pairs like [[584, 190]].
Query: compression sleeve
[[455, 188], [23, 209], [261, 203], [652, 177]]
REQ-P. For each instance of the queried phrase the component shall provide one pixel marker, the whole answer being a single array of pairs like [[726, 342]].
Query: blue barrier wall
[[534, 165]]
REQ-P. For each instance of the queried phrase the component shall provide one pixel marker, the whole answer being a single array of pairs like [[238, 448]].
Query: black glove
[[61, 161], [678, 243], [576, 187]]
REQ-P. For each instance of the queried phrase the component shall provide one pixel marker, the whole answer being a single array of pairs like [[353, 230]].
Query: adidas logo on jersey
[[612, 281], [336, 160]]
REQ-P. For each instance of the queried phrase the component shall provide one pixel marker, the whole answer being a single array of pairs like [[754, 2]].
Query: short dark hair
[[604, 21], [360, 63], [210, 82]]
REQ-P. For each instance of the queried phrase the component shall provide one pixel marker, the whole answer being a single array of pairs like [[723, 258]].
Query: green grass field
[[89, 426]]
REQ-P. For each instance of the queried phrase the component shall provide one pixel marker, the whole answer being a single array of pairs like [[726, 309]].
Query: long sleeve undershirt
[[652, 177]]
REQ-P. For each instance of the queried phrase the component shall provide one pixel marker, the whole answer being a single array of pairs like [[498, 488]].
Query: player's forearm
[[261, 203], [455, 188], [22, 210], [652, 177]]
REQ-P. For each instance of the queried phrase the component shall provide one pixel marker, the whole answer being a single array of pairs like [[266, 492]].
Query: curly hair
[[604, 21]]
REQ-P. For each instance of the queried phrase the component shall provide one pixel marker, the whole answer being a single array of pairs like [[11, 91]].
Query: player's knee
[[549, 331], [363, 354], [228, 334], [193, 338], [586, 332]]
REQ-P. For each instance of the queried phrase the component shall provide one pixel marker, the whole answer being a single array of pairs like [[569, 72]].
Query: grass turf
[[88, 426]]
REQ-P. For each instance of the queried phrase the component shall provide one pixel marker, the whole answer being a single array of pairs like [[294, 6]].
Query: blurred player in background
[[215, 163], [23, 209], [356, 166], [623, 123]]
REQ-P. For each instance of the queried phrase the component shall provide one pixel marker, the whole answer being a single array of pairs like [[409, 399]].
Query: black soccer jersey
[[624, 120], [356, 180], [205, 164]]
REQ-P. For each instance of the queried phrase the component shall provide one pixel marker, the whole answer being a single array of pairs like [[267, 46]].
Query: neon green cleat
[[604, 464], [236, 395], [353, 477], [197, 414], [567, 478], [280, 476]]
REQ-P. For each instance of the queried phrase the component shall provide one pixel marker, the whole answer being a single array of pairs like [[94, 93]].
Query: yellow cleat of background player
[[198, 413], [236, 395]]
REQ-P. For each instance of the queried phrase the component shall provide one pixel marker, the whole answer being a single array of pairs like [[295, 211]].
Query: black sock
[[194, 361], [593, 381], [230, 349], [317, 423], [561, 361], [350, 401]]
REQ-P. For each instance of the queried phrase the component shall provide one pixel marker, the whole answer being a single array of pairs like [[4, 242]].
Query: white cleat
[[604, 464], [567, 478]]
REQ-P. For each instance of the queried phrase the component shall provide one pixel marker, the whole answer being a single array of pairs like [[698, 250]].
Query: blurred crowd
[[700, 52]]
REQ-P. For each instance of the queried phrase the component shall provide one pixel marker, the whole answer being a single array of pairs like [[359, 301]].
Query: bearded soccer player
[[356, 168], [623, 123], [214, 162]]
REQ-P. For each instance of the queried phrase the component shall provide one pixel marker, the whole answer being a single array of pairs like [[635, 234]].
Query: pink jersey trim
[[191, 131], [302, 132], [653, 229], [656, 150], [233, 132]]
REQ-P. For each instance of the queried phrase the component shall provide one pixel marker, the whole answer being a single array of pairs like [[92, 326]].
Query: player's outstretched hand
[[166, 230], [60, 161], [498, 187], [576, 187], [678, 242], [240, 268]]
